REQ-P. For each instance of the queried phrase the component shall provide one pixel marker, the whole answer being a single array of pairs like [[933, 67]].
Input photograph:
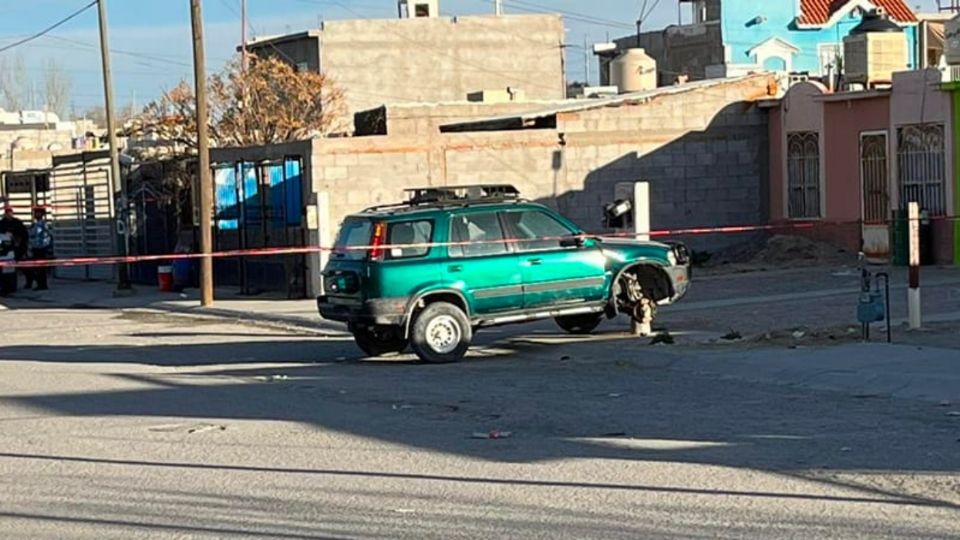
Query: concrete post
[[913, 293], [641, 229]]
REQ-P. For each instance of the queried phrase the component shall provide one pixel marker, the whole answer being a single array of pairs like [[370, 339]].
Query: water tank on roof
[[874, 50], [633, 71], [951, 41]]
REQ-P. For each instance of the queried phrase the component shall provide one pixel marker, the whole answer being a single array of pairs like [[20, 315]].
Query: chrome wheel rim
[[443, 334]]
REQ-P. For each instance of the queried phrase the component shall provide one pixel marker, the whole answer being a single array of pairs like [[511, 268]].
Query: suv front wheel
[[441, 333], [379, 341]]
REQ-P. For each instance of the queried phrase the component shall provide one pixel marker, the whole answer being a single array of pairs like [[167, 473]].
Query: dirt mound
[[777, 251], [782, 249]]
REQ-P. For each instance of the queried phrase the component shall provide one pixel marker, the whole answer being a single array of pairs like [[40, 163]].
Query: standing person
[[18, 232], [41, 247]]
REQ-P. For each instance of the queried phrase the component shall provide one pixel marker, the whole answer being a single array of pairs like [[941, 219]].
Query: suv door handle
[[455, 268], [535, 262]]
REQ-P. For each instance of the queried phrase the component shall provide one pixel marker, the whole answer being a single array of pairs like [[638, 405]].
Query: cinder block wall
[[443, 58], [703, 150]]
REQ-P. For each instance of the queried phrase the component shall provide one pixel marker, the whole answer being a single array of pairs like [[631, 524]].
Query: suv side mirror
[[572, 241]]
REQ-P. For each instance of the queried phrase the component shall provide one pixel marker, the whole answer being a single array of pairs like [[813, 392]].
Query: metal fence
[[260, 205]]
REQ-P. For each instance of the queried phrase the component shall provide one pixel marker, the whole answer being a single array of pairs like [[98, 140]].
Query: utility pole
[[203, 149], [498, 7], [243, 36], [586, 62], [244, 63], [122, 208]]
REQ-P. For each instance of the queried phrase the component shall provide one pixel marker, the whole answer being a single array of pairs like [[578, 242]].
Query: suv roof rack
[[440, 196], [462, 194]]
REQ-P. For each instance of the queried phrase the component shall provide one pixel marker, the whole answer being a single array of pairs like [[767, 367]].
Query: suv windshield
[[354, 233]]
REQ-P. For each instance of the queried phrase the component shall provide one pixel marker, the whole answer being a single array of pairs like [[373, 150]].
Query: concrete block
[[345, 160], [335, 173], [706, 159], [727, 158]]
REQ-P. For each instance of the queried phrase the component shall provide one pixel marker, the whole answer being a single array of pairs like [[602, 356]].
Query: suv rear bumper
[[381, 312]]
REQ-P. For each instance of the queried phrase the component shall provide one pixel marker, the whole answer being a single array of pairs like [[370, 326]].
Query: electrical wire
[[50, 28]]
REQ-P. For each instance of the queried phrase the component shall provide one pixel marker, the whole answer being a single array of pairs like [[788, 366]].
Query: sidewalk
[[864, 371]]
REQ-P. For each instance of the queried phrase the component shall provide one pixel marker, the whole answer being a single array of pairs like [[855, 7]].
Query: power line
[[573, 15], [50, 28], [133, 54]]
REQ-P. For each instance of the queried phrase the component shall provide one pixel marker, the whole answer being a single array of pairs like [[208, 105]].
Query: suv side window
[[409, 232], [481, 230], [536, 230]]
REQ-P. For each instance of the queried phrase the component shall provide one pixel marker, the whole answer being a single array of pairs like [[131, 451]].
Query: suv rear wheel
[[441, 333], [379, 341], [580, 324]]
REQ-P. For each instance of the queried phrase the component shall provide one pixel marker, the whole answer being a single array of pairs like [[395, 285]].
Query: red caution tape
[[302, 250]]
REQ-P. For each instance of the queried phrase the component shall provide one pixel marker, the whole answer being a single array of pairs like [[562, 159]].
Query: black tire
[[451, 331], [380, 341], [580, 324]]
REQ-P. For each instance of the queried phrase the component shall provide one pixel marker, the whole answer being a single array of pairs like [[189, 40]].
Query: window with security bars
[[803, 175], [921, 167]]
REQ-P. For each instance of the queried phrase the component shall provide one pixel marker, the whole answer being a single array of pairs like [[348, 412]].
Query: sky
[[151, 43]]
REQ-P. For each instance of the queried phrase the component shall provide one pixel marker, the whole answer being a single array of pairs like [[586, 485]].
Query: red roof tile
[[818, 12]]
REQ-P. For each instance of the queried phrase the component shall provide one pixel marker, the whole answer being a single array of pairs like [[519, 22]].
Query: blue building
[[724, 38]]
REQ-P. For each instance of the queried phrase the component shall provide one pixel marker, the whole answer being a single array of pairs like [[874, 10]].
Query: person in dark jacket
[[41, 248], [11, 225]]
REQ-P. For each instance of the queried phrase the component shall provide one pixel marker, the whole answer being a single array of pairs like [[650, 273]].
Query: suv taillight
[[376, 243]]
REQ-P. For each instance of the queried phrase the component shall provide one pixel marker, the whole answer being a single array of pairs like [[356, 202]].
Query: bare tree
[[57, 85], [97, 114], [14, 84], [271, 103]]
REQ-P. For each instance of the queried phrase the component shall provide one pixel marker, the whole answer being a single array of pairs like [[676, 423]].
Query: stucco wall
[[915, 98], [844, 122]]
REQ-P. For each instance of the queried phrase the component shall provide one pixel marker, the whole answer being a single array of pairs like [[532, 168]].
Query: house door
[[875, 184]]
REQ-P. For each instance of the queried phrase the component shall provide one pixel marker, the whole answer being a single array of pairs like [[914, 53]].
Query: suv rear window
[[409, 232], [353, 233]]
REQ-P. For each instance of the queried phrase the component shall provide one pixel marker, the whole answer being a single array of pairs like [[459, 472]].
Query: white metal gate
[[875, 187], [81, 197]]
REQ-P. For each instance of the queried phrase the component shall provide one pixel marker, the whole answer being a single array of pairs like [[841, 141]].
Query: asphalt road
[[142, 426]]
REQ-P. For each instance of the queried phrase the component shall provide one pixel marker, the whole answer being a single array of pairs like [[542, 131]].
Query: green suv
[[429, 272]]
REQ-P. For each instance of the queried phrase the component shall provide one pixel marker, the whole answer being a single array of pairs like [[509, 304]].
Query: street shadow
[[601, 398]]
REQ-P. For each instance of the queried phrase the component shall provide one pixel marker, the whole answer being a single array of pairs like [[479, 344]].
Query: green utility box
[[900, 231]]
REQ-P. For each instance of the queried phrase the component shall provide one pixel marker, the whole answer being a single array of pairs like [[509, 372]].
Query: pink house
[[846, 162]]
